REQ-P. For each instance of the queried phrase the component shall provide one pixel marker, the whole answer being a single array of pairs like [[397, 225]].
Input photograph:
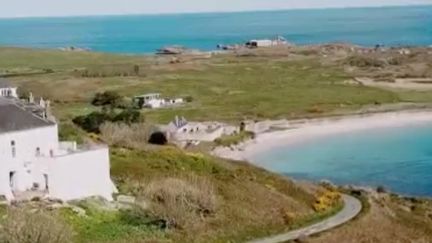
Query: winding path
[[352, 207]]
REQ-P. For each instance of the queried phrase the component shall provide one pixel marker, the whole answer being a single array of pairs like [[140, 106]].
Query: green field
[[225, 87]]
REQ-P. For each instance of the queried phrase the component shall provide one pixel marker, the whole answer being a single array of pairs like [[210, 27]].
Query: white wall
[[200, 135], [81, 175], [25, 164], [8, 92], [26, 143], [4, 184]]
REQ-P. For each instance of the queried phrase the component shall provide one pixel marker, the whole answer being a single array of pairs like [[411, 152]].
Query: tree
[[136, 69], [92, 121], [128, 116], [107, 98]]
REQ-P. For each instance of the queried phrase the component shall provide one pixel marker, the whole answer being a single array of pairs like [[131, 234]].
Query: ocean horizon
[[143, 34]]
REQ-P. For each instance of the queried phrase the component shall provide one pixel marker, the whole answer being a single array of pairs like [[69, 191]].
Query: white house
[[33, 161], [7, 89], [182, 130], [154, 101], [278, 41]]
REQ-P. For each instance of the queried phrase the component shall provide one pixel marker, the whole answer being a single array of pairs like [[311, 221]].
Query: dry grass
[[22, 226], [250, 202], [182, 202], [123, 135], [388, 220]]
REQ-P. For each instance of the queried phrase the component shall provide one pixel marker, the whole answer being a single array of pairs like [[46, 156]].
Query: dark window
[[38, 152], [13, 149]]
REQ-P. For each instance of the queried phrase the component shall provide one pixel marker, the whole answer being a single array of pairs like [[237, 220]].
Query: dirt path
[[352, 207]]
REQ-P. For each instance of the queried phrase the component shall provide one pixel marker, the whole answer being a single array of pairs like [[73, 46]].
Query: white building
[[154, 101], [278, 41], [184, 131], [33, 161], [7, 90]]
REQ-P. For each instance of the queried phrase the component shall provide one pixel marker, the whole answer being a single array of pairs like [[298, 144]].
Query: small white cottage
[[33, 161], [155, 100], [7, 89]]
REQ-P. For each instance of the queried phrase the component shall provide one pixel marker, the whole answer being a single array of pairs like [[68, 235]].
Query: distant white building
[[7, 89], [33, 161], [154, 101], [278, 41], [184, 131]]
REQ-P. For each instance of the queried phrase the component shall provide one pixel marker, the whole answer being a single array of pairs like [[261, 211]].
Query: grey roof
[[14, 117], [5, 84]]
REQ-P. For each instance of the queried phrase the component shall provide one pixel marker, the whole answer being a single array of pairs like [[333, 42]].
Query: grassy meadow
[[225, 87]]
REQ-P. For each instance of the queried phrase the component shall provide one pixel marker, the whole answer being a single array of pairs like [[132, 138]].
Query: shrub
[[107, 98], [128, 116], [92, 121], [136, 70], [21, 226], [125, 135], [229, 140], [182, 202], [188, 99], [363, 61], [68, 132]]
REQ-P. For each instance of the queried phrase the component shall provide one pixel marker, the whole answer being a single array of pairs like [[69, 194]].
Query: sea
[[143, 34], [398, 158]]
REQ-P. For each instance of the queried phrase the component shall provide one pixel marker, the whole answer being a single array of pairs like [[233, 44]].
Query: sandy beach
[[285, 132]]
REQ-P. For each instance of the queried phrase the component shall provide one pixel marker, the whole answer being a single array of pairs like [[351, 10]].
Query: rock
[[302, 239], [124, 199], [99, 203], [78, 211], [381, 189], [327, 184], [55, 206]]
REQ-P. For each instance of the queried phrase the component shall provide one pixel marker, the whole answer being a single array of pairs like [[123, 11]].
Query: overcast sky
[[25, 8]]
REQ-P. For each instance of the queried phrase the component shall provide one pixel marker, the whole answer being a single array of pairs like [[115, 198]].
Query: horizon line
[[214, 12]]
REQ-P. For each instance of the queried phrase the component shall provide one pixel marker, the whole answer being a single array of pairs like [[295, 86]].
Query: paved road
[[352, 207]]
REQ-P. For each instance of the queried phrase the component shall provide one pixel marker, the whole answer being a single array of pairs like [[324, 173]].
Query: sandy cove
[[286, 132]]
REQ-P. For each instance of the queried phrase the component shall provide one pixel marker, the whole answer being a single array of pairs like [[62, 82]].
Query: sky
[[31, 8]]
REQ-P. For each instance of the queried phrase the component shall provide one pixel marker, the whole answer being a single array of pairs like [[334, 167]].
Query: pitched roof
[[14, 117], [5, 84]]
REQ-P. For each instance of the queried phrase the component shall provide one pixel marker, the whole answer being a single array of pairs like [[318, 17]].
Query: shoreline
[[292, 132]]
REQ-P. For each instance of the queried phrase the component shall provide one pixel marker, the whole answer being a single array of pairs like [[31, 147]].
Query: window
[[13, 149], [38, 152]]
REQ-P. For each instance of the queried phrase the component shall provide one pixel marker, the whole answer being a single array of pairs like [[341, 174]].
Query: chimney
[[31, 98]]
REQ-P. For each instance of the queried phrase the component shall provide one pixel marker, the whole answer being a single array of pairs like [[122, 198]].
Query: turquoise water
[[398, 158], [144, 34]]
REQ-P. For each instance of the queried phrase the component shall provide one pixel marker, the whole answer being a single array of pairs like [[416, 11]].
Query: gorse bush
[[21, 226]]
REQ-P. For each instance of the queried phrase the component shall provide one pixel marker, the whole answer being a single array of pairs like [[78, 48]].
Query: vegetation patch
[[229, 140], [106, 226]]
